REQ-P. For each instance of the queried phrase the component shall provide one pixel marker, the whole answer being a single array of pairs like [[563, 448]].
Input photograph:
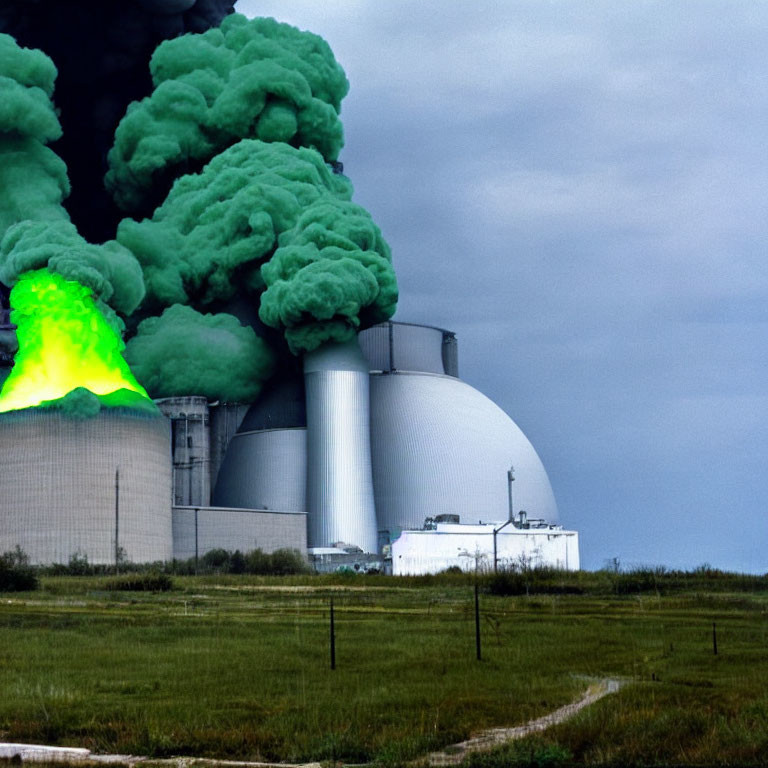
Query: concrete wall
[[58, 492], [470, 546], [232, 529]]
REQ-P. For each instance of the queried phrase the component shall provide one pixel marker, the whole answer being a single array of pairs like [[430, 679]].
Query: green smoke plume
[[247, 79], [33, 180], [331, 276], [245, 118], [35, 230], [209, 238], [65, 344], [109, 270], [326, 266], [69, 336], [183, 351]]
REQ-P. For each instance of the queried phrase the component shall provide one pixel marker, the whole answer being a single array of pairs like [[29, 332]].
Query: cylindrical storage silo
[[266, 462], [265, 469], [340, 501], [97, 488]]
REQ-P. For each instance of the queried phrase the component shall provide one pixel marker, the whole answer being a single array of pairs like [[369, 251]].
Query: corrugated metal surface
[[57, 486], [190, 446], [439, 446], [394, 346], [417, 348], [339, 476], [375, 345], [265, 470], [197, 531]]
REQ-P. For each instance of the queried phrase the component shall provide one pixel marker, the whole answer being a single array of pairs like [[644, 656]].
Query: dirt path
[[495, 737], [451, 755]]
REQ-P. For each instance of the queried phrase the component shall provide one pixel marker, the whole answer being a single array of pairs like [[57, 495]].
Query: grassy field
[[238, 667]]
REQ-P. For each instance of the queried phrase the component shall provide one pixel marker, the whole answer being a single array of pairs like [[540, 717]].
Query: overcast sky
[[577, 189]]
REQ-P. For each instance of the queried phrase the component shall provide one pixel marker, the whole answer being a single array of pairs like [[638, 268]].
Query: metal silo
[[439, 446], [340, 500], [265, 466], [98, 487]]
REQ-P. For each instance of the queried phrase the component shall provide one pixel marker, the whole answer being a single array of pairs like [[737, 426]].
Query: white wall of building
[[471, 546]]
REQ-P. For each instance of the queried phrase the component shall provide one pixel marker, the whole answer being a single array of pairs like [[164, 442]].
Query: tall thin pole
[[333, 640], [477, 623], [510, 480], [495, 553], [197, 548], [117, 519]]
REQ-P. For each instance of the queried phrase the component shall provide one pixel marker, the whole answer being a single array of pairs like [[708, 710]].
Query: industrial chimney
[[340, 501]]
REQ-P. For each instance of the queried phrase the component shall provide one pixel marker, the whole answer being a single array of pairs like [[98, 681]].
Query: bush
[[533, 581], [288, 561], [151, 581], [281, 562], [16, 574]]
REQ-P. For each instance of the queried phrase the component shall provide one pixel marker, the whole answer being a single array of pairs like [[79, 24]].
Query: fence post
[[477, 623], [333, 640]]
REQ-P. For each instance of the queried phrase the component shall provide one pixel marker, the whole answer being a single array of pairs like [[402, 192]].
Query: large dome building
[[438, 446], [440, 451]]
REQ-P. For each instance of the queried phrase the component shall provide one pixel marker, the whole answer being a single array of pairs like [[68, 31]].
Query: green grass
[[237, 667]]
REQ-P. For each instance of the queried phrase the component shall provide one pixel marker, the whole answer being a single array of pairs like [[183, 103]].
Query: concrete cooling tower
[[99, 488]]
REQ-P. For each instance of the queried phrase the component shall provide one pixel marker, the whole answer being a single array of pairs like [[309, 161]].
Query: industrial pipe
[[340, 503]]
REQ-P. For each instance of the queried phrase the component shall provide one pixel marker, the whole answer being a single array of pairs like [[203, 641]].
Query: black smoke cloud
[[101, 49]]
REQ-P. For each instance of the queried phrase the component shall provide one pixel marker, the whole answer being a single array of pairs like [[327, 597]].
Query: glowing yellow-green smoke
[[65, 343]]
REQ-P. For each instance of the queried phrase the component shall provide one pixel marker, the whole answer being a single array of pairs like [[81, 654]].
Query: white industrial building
[[485, 547]]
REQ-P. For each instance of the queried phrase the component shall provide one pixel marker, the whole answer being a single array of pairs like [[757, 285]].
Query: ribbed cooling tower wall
[[439, 446], [340, 502], [58, 486]]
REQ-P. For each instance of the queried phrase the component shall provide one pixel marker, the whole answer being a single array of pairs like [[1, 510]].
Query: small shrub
[[258, 562], [533, 581], [216, 560], [237, 562], [78, 565], [288, 561], [281, 562], [152, 581], [16, 574]]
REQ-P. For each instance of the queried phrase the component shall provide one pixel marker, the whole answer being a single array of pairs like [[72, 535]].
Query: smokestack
[[340, 501]]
